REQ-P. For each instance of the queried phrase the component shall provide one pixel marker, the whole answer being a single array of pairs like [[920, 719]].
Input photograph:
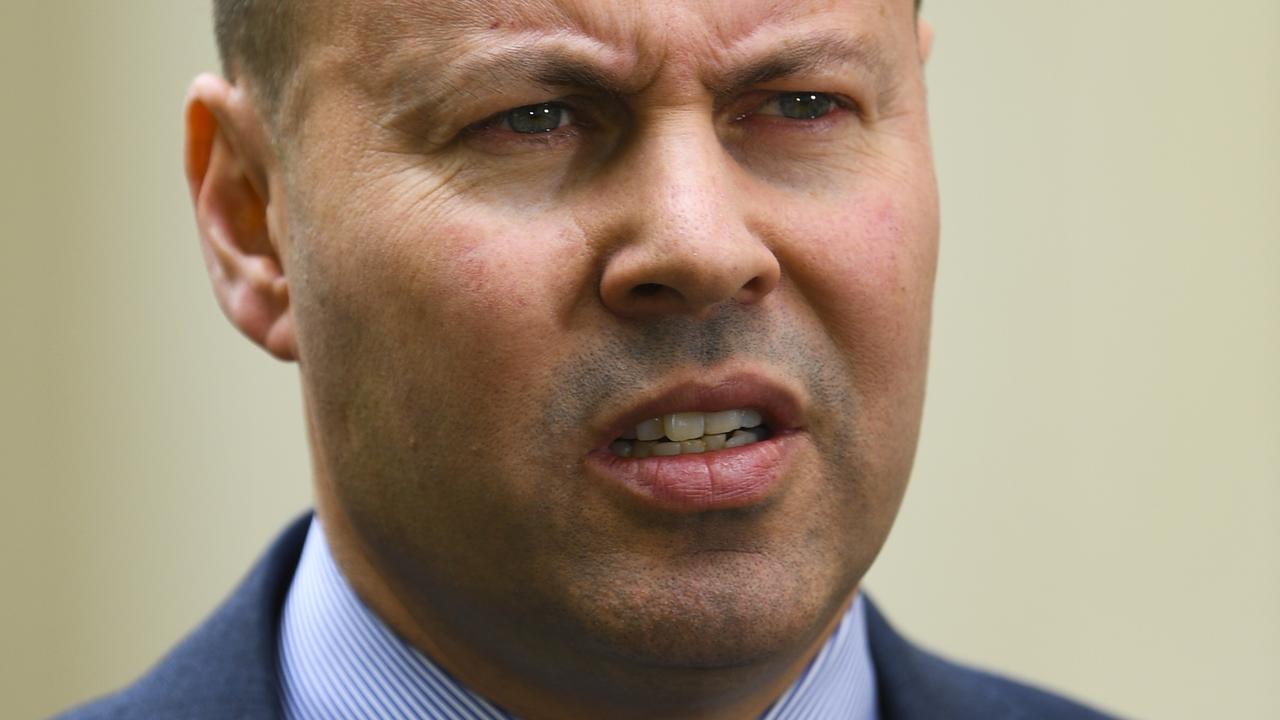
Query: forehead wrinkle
[[414, 52], [377, 32], [380, 28]]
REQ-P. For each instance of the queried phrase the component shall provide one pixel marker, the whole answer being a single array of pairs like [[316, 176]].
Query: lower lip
[[698, 482]]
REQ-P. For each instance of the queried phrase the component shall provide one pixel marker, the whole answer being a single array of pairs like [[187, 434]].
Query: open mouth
[[709, 444], [687, 433]]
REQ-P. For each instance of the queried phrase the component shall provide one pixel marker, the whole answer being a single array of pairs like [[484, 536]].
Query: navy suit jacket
[[227, 668]]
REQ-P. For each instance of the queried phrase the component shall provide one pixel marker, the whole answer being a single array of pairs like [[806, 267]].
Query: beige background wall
[[1097, 499]]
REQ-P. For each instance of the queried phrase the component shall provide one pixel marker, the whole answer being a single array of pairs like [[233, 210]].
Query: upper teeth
[[686, 432]]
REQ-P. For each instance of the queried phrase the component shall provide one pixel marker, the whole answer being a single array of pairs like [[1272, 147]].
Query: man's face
[[697, 207]]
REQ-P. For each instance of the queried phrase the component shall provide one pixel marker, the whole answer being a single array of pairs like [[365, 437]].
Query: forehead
[[618, 20], [644, 35]]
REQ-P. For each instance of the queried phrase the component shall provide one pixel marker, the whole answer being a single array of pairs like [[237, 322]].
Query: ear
[[924, 36], [228, 168]]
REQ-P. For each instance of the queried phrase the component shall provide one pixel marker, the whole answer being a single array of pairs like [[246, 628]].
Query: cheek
[[502, 294], [867, 272], [468, 311], [869, 262], [430, 354], [491, 278]]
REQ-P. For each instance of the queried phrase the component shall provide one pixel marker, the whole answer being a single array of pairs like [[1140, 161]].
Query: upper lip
[[779, 405]]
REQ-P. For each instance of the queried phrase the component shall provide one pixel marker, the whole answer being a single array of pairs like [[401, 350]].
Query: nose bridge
[[686, 187], [686, 244]]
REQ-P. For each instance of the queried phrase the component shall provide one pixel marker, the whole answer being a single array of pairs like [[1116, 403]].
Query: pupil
[[804, 106], [536, 118]]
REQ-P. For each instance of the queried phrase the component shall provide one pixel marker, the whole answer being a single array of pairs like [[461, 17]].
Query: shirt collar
[[337, 659]]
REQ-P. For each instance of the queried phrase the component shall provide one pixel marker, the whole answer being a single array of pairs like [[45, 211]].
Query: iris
[[532, 119], [804, 105]]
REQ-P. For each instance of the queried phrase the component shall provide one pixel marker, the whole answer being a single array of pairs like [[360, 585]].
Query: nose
[[682, 238]]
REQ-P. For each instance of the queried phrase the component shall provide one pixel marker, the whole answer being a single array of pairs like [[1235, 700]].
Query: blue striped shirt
[[338, 660]]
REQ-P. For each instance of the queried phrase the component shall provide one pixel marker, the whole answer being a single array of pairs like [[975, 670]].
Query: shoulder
[[227, 666], [913, 683]]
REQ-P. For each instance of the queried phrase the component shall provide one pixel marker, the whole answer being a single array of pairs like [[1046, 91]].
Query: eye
[[534, 119], [798, 105]]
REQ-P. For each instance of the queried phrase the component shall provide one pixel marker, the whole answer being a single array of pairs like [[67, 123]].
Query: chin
[[726, 610]]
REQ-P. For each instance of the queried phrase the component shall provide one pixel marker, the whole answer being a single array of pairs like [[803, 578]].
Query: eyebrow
[[550, 67], [812, 54]]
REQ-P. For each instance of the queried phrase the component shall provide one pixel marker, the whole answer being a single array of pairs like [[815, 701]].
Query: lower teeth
[[639, 449]]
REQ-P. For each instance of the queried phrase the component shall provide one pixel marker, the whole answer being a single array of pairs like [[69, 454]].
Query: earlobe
[[229, 189], [924, 36]]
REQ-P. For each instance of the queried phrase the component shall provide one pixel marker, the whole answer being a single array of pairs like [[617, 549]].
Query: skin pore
[[479, 264]]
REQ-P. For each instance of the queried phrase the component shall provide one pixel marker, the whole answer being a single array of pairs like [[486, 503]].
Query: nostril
[[647, 289], [756, 287]]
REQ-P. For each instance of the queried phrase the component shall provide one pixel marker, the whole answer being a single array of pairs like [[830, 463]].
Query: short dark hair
[[260, 41]]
